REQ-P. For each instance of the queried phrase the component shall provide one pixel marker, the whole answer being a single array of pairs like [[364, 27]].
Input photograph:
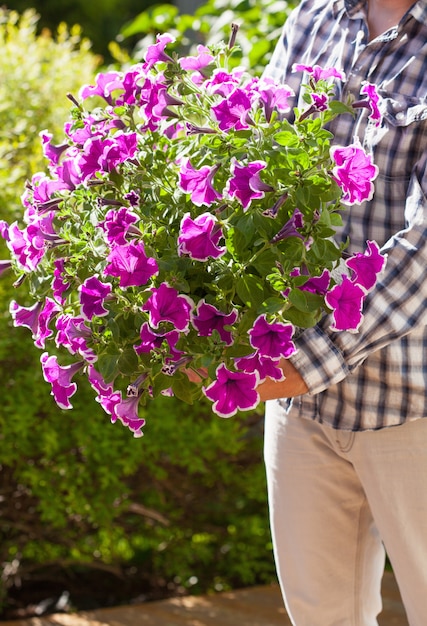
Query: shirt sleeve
[[394, 308]]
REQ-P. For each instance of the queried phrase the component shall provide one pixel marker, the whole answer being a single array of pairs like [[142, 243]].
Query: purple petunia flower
[[233, 111], [319, 73], [262, 365], [92, 296], [370, 103], [317, 284], [199, 62], [116, 225], [73, 333], [232, 391], [222, 82], [51, 152], [346, 301], [26, 316], [208, 318], [198, 183], [167, 305], [272, 339], [59, 284], [60, 379], [354, 172], [245, 183], [274, 96], [98, 383], [106, 83], [48, 312], [131, 265], [366, 267], [104, 155], [156, 52], [290, 228], [126, 410], [154, 341], [199, 237]]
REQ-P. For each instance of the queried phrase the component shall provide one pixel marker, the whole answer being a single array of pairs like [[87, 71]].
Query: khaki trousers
[[336, 499]]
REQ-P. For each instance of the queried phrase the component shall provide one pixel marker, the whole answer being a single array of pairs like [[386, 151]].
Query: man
[[347, 458]]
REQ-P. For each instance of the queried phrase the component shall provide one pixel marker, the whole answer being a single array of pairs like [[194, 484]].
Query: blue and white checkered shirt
[[377, 377]]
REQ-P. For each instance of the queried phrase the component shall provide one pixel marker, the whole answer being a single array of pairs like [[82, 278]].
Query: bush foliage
[[186, 505], [260, 23], [100, 20]]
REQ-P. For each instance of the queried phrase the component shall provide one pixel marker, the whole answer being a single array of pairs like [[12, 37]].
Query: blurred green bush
[[260, 23], [186, 505], [100, 20]]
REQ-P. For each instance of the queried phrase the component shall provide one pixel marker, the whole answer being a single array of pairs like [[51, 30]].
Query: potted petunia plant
[[186, 224]]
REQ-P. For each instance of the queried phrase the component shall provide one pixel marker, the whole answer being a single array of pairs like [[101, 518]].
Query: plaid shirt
[[377, 377]]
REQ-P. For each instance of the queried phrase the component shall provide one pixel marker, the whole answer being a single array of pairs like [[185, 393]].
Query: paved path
[[255, 606]]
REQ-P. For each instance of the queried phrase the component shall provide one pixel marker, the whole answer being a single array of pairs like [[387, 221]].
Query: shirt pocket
[[401, 138], [402, 111]]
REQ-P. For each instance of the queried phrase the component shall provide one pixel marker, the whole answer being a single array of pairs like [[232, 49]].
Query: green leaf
[[302, 319], [305, 300], [272, 305], [128, 362], [183, 388], [250, 290], [287, 138], [107, 366], [265, 262]]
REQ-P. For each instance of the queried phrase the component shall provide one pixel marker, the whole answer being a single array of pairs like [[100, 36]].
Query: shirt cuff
[[318, 360]]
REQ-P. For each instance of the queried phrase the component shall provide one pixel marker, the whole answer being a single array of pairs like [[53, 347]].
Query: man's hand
[[292, 386]]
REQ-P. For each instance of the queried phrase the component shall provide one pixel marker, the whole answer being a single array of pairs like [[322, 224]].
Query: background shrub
[[100, 20], [260, 23]]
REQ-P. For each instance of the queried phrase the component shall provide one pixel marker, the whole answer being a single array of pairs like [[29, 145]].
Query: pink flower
[[274, 96], [198, 183], [208, 318], [92, 296], [106, 83], [151, 341], [319, 73], [199, 237], [167, 305], [223, 83], [60, 379], [49, 311], [232, 391], [354, 173], [199, 62], [245, 183], [156, 52], [366, 267], [262, 365], [127, 412], [317, 284], [59, 283], [26, 316], [131, 265], [370, 103], [116, 225], [272, 339], [233, 111], [346, 300], [98, 383], [73, 333]]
